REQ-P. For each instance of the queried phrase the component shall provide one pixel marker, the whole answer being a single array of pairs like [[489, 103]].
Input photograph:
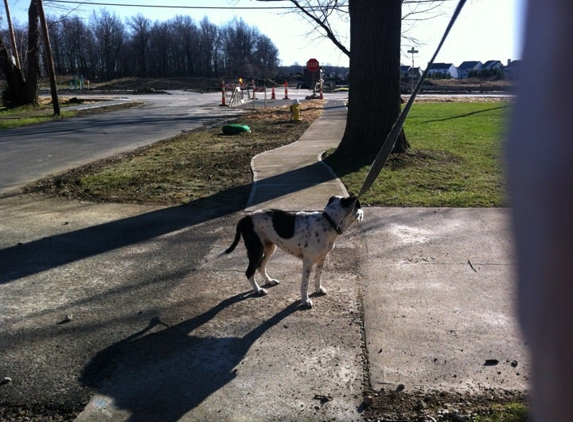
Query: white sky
[[485, 30]]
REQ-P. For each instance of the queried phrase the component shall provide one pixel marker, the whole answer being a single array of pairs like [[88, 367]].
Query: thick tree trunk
[[23, 90], [374, 95], [14, 94]]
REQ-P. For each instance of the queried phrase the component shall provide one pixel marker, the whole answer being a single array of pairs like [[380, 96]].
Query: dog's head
[[344, 210]]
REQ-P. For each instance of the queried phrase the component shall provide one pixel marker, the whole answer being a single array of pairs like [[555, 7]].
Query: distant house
[[443, 70], [512, 69], [492, 64], [466, 68], [407, 72]]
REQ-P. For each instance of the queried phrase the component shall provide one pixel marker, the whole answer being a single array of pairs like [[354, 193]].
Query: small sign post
[[313, 66]]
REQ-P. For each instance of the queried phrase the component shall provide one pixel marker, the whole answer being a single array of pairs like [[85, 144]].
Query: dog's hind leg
[[255, 253], [306, 269], [317, 285], [269, 250]]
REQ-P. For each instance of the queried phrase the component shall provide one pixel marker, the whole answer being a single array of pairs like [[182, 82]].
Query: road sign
[[312, 65]]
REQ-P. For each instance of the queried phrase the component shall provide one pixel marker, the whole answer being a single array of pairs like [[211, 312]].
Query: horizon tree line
[[105, 47]]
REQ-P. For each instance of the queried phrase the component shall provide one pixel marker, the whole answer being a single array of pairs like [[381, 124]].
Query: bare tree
[[159, 51], [105, 48], [140, 35], [238, 43], [109, 34], [375, 35], [22, 85], [265, 56], [209, 40]]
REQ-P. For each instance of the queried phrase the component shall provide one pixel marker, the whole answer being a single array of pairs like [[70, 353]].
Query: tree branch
[[325, 11]]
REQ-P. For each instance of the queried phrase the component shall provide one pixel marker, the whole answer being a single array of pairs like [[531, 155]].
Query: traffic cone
[[286, 91], [273, 97]]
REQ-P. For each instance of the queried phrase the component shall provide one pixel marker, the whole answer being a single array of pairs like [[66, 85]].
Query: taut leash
[[390, 140]]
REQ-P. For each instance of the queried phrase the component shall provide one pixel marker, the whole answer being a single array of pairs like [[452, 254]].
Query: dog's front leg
[[317, 285], [306, 269]]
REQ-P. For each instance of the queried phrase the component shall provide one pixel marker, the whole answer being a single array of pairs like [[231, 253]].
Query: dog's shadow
[[162, 372]]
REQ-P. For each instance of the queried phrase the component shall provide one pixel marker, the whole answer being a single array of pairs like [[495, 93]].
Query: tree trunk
[[374, 95], [23, 90], [14, 94], [33, 74]]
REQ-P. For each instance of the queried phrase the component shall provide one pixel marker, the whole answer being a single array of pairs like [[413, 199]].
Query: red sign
[[312, 65]]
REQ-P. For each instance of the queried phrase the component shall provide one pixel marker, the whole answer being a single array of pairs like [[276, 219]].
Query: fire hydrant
[[295, 111]]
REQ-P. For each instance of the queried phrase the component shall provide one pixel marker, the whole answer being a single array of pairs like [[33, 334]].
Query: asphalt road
[[33, 152]]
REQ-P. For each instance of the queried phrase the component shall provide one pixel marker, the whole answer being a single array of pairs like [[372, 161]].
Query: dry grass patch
[[201, 164]]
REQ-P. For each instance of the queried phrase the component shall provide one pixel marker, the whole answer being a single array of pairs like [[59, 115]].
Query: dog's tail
[[236, 241]]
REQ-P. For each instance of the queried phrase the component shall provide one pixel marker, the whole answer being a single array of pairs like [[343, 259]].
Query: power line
[[166, 6], [163, 6]]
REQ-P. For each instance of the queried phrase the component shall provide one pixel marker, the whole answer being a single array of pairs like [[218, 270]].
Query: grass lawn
[[24, 116], [454, 160], [199, 165]]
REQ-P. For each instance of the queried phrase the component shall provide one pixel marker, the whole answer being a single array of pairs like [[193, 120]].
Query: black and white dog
[[309, 236]]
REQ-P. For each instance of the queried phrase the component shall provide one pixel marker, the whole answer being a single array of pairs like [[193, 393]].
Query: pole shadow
[[46, 253], [165, 374], [460, 116]]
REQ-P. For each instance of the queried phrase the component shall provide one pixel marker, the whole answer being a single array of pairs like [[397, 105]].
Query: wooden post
[[223, 93], [50, 58], [12, 36]]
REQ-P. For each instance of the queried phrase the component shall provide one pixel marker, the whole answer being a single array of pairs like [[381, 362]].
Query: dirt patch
[[400, 405], [437, 98], [155, 85], [33, 414]]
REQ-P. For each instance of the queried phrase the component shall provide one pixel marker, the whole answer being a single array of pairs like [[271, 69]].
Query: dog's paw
[[321, 291], [273, 282], [306, 303], [261, 291]]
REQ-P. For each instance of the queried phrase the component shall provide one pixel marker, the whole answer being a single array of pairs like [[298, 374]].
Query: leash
[[390, 140]]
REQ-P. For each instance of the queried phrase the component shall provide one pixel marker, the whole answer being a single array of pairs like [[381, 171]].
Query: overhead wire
[[168, 6]]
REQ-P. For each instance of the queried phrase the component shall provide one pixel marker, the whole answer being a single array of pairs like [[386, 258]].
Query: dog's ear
[[347, 202], [332, 198], [358, 206]]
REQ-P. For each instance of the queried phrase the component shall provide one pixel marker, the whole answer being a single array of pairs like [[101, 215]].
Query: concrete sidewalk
[[438, 291], [159, 330], [294, 177]]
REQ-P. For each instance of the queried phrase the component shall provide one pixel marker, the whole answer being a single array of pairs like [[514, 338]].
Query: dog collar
[[332, 222]]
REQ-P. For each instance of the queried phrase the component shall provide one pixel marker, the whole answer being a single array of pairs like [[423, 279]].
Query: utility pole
[[50, 58], [12, 36], [412, 51]]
